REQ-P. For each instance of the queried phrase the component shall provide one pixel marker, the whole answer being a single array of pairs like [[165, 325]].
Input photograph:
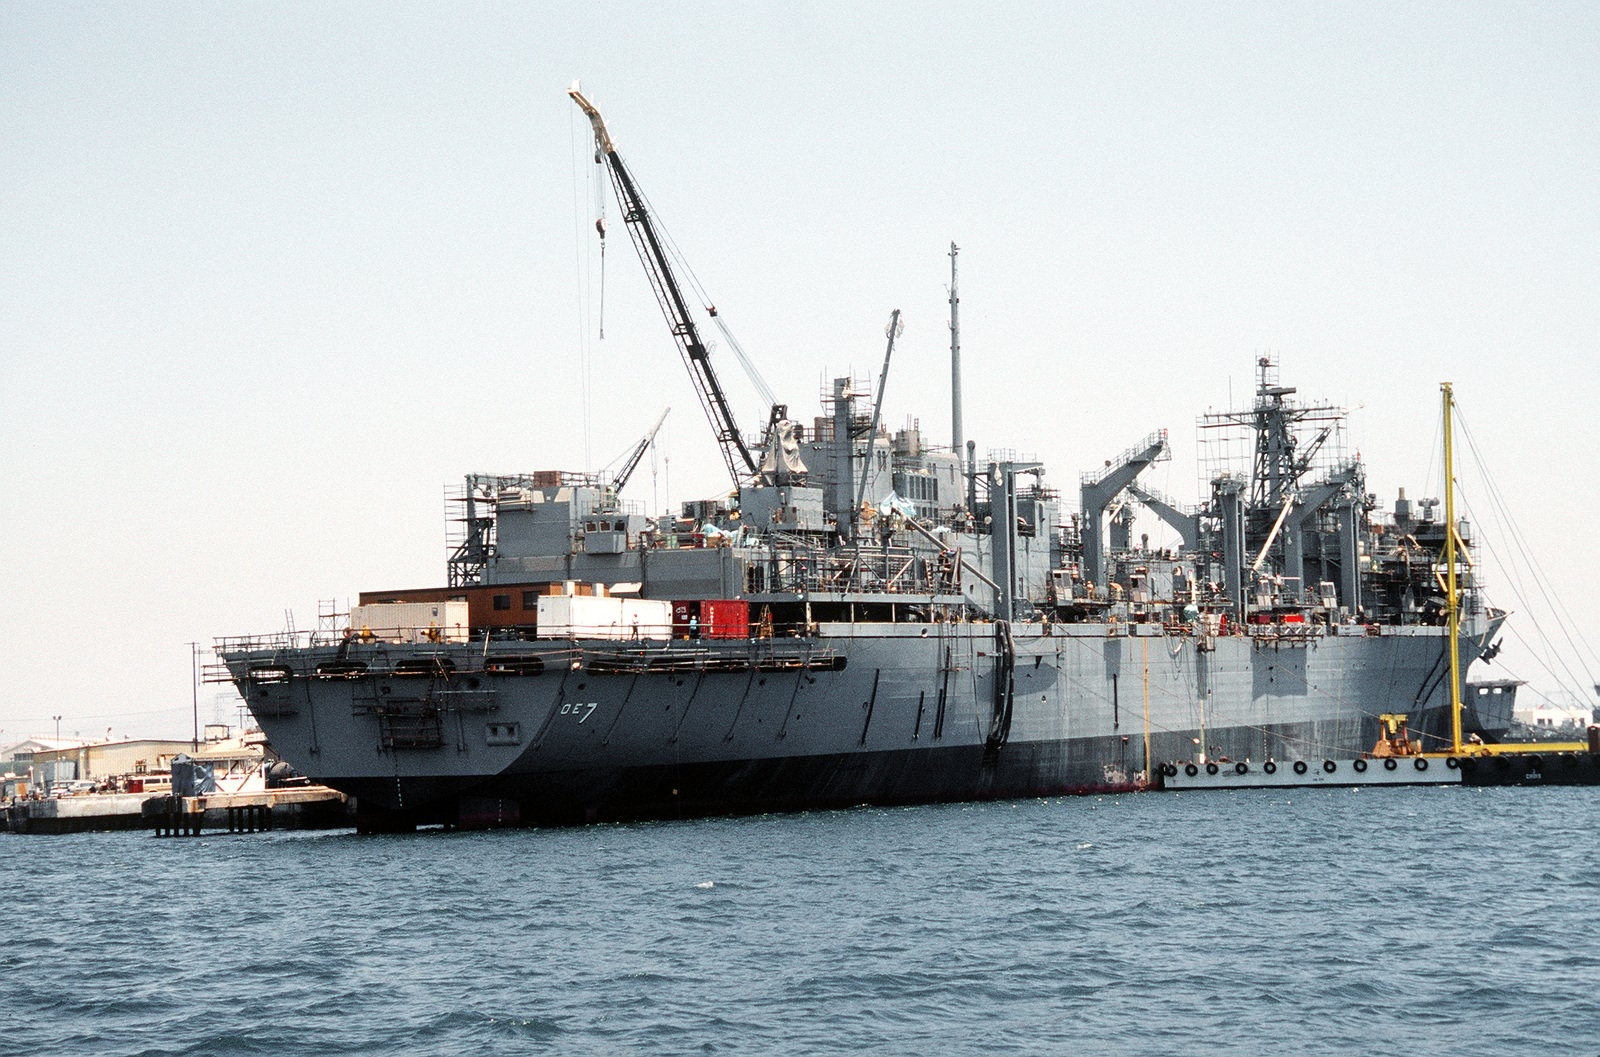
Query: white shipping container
[[647, 617], [598, 617], [411, 621], [580, 616]]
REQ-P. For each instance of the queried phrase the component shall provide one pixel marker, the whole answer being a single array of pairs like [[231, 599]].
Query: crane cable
[[1536, 574], [1499, 510], [582, 265], [670, 244], [762, 389], [600, 226], [1538, 661]]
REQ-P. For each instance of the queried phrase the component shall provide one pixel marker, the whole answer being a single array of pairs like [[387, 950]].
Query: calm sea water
[[1413, 921]]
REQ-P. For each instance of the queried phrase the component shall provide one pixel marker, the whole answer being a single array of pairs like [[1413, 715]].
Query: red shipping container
[[725, 618]]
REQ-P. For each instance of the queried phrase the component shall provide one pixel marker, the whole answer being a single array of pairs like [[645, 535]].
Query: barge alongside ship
[[870, 618]]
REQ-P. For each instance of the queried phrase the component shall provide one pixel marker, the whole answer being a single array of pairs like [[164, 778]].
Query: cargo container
[[646, 618], [724, 618], [411, 621], [497, 606], [711, 618], [601, 617]]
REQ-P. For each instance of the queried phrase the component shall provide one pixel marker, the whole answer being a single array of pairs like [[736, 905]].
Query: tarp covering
[[782, 447], [191, 777]]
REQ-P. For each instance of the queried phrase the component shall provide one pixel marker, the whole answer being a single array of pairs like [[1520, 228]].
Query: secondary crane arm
[[636, 454], [1097, 491], [892, 331], [740, 462]]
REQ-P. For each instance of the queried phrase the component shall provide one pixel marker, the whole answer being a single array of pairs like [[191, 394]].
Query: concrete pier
[[304, 807], [308, 807], [77, 814]]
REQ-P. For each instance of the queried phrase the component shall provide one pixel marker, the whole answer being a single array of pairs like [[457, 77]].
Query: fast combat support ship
[[871, 618]]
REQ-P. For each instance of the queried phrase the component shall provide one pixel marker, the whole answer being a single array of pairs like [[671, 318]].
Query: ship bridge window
[[918, 487]]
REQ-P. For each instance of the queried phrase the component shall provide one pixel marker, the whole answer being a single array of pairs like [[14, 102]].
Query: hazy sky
[[276, 274]]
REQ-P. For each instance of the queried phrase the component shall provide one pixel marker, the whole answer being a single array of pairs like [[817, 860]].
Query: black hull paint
[[530, 794], [744, 787], [1532, 769]]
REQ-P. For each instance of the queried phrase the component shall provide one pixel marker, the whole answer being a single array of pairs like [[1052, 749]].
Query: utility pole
[[58, 726], [194, 689]]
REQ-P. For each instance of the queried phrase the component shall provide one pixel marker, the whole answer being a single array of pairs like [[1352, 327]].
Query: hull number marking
[[582, 709]]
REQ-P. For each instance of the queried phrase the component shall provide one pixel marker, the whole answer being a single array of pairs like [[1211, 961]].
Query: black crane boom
[[669, 295]]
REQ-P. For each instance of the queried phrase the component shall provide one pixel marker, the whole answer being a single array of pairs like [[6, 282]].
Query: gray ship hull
[[591, 730]]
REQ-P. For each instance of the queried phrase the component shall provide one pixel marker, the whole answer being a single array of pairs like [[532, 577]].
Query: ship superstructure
[[889, 519], [869, 616]]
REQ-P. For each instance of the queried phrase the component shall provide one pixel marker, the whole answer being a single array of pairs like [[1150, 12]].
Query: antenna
[[956, 437]]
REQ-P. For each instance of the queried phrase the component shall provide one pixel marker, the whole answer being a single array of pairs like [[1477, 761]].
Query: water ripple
[[1423, 922]]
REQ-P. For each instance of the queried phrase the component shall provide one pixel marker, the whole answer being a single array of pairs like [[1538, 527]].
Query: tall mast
[[1453, 598], [955, 358]]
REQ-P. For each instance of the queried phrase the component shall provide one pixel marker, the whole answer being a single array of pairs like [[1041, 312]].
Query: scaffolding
[[470, 511]]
